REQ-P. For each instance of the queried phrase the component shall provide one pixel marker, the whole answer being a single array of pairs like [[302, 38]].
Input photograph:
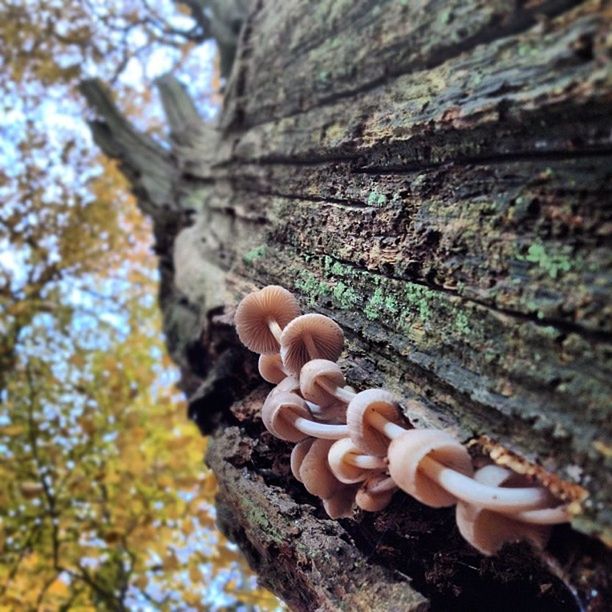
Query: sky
[[60, 161]]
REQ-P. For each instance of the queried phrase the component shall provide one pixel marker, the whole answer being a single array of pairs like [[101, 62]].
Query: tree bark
[[435, 176]]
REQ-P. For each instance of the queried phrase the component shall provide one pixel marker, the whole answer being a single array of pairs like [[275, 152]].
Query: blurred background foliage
[[105, 503]]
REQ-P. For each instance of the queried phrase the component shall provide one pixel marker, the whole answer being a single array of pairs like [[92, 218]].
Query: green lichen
[[377, 199], [311, 286], [420, 299], [375, 305], [552, 263], [345, 296], [254, 254], [462, 322]]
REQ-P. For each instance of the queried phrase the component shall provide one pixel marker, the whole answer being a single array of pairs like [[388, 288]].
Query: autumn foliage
[[104, 499]]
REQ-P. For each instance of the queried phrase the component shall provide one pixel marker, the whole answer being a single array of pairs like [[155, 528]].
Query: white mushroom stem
[[465, 488], [546, 516], [275, 328], [320, 430], [344, 394], [391, 430], [366, 462], [485, 496], [386, 484]]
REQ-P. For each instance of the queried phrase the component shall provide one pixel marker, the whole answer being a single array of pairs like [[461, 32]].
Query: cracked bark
[[436, 177]]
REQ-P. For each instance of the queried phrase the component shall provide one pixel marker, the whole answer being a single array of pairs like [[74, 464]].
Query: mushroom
[[271, 368], [349, 465], [289, 384], [488, 531], [436, 469], [311, 336], [340, 504], [287, 417], [318, 479], [297, 456], [261, 317], [322, 382], [365, 410], [376, 492], [406, 453]]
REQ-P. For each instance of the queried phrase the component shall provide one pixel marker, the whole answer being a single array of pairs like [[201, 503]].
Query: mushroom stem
[[386, 484], [465, 488], [320, 430], [378, 421], [491, 498], [342, 393], [367, 462], [276, 330], [313, 353], [546, 516]]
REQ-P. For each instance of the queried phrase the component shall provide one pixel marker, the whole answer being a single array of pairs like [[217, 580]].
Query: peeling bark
[[436, 177]]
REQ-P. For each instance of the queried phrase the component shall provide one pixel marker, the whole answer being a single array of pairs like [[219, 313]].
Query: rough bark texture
[[436, 177]]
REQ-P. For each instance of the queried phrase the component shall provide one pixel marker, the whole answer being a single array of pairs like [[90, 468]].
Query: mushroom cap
[[278, 413], [341, 469], [271, 368], [363, 435], [340, 505], [315, 473], [272, 303], [488, 531], [314, 330], [297, 456], [375, 493], [405, 454], [289, 384], [313, 373]]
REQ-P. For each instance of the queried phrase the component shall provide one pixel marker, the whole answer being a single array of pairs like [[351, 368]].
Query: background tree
[[435, 176], [104, 502]]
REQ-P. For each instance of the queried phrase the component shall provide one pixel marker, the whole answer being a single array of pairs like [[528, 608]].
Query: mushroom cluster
[[358, 449]]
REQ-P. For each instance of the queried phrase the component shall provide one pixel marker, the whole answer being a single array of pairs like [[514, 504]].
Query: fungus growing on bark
[[286, 416], [349, 464], [261, 317], [488, 531], [322, 382], [271, 369], [318, 479], [362, 412], [436, 469], [311, 336], [340, 504], [297, 456], [375, 492]]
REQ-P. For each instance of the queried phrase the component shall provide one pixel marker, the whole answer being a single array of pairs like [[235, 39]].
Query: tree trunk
[[435, 176]]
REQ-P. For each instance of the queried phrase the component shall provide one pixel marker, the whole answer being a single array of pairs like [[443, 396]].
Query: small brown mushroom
[[271, 368], [488, 531], [340, 505], [406, 453], [361, 413], [286, 416], [261, 317], [376, 492], [322, 382], [318, 479], [279, 413], [289, 384], [311, 336], [349, 464], [297, 456]]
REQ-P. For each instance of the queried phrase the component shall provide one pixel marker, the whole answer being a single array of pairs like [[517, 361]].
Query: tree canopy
[[104, 500]]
